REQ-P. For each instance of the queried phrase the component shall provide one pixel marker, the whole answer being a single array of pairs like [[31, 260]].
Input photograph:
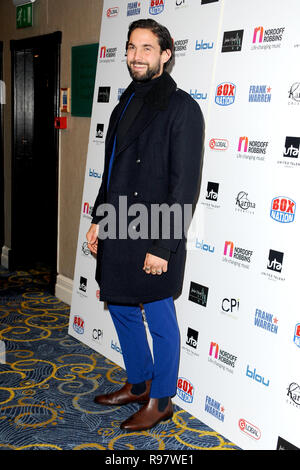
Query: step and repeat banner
[[239, 310]]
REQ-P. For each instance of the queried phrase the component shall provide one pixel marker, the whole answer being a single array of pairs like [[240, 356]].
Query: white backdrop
[[238, 312]]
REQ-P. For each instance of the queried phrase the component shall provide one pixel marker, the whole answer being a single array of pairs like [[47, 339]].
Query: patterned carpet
[[48, 380]]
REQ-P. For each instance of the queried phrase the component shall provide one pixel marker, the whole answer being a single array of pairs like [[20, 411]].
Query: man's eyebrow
[[144, 45]]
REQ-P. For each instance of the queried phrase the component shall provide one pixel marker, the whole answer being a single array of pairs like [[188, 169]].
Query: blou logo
[[258, 378]]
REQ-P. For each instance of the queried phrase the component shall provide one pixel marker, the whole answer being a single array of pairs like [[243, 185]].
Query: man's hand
[[155, 265], [92, 238]]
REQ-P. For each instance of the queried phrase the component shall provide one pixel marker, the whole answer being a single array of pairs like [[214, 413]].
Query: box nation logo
[[156, 7], [283, 209], [225, 94]]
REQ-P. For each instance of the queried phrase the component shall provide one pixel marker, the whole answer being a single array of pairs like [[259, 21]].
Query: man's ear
[[166, 55]]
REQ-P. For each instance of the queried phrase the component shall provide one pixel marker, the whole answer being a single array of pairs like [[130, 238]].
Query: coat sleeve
[[185, 166]]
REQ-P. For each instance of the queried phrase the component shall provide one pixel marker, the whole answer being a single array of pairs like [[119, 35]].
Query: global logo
[[185, 390], [218, 144], [249, 429], [78, 325], [156, 7], [283, 209], [225, 94]]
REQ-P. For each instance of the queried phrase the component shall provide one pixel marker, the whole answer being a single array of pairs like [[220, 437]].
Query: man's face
[[145, 60]]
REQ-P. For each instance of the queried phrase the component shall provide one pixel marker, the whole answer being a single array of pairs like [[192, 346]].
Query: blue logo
[[283, 209], [185, 390], [258, 378], [225, 94], [214, 408], [133, 8], [198, 96], [297, 335], [156, 7], [203, 45]]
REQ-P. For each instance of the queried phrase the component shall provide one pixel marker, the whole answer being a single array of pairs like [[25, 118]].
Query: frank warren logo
[[214, 408], [232, 41], [260, 94], [133, 8], [156, 7], [221, 358], [198, 294], [283, 209], [185, 390], [225, 94], [266, 321]]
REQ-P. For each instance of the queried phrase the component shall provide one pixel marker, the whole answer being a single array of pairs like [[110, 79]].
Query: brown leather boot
[[124, 396], [148, 416]]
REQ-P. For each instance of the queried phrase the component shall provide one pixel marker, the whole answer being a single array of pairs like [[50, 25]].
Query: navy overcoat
[[158, 162]]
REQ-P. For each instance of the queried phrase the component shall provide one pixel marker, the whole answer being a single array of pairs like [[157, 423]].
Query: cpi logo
[[225, 94], [185, 390], [283, 209]]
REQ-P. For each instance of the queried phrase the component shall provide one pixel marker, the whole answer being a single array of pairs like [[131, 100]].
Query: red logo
[[112, 12], [218, 144], [249, 429]]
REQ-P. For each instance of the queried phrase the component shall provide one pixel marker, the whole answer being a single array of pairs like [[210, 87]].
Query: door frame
[[2, 220], [55, 40]]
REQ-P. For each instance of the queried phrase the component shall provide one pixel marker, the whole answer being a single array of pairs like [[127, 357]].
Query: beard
[[147, 75]]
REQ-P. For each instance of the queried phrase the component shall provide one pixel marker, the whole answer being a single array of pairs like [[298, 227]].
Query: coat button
[[138, 161], [135, 194]]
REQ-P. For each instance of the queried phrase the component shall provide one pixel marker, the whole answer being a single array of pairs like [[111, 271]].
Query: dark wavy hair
[[161, 32]]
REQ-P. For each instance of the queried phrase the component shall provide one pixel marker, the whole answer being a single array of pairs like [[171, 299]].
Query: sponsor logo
[[87, 210], [214, 408], [198, 294], [197, 95], [181, 3], [294, 94], [185, 390], [282, 444], [94, 174], [202, 46], [120, 93], [133, 8], [225, 94], [180, 47], [232, 41], [218, 144], [97, 335], [107, 54], [83, 285], [243, 202], [212, 191], [115, 347], [238, 256], [230, 306], [293, 394], [204, 2], [192, 338], [283, 209], [259, 94], [291, 148], [103, 94], [267, 38], [84, 249], [99, 131], [156, 7], [204, 246], [275, 261], [249, 429], [266, 321], [221, 358], [254, 376], [111, 12], [252, 149], [297, 335], [78, 325]]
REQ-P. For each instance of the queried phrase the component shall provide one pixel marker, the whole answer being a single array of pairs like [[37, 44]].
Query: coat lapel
[[155, 101]]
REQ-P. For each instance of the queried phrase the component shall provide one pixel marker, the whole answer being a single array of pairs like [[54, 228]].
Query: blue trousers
[[163, 327]]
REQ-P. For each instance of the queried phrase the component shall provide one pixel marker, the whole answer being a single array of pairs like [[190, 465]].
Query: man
[[153, 157]]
